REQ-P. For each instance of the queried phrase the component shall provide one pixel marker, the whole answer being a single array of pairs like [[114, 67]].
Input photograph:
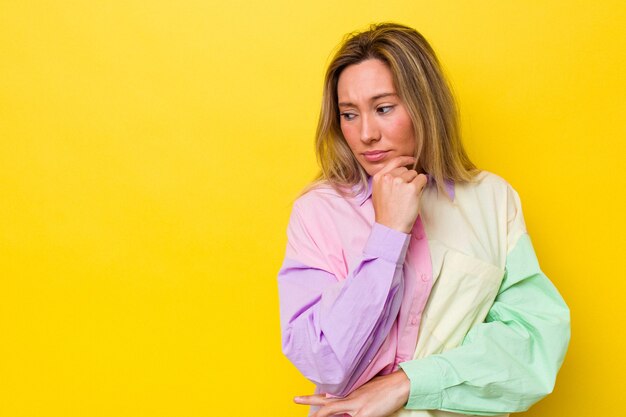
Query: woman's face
[[374, 120]]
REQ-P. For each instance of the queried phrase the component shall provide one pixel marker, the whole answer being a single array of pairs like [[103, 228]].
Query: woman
[[410, 286]]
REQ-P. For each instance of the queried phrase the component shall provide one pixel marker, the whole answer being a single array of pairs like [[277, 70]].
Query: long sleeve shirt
[[494, 331]]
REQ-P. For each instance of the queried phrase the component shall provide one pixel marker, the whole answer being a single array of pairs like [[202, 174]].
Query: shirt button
[[413, 321], [424, 277]]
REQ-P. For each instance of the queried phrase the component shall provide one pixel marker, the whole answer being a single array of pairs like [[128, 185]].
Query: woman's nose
[[369, 129]]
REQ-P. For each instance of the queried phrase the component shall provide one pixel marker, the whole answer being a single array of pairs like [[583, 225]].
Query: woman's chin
[[372, 167]]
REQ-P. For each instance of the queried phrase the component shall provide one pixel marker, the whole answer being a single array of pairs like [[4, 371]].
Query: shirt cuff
[[427, 383], [387, 243]]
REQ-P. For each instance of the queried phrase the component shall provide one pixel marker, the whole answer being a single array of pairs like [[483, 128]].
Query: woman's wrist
[[400, 227], [401, 386]]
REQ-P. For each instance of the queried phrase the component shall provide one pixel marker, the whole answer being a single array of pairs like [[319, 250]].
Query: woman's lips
[[375, 155]]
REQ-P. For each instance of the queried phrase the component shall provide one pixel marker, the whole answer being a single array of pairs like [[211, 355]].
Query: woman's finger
[[421, 180], [396, 172], [395, 163], [409, 175], [339, 409], [317, 399]]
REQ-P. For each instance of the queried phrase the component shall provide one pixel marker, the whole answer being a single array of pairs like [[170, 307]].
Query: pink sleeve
[[331, 329]]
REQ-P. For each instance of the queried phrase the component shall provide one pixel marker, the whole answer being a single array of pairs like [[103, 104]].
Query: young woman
[[410, 286]]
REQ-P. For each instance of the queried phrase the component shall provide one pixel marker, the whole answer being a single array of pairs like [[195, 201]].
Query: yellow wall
[[149, 152]]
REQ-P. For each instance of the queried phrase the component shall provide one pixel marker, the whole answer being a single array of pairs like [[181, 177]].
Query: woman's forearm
[[507, 363], [331, 329]]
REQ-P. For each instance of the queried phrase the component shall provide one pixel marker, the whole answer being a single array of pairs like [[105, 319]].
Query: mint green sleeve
[[510, 361]]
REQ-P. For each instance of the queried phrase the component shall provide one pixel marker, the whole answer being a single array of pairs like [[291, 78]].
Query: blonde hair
[[420, 84]]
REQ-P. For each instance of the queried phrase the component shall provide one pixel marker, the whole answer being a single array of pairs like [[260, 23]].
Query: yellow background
[[150, 151]]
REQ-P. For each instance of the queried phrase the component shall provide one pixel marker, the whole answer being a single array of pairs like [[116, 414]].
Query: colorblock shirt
[[492, 334]]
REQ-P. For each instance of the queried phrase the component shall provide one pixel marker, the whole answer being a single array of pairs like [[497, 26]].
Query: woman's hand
[[380, 397], [396, 192]]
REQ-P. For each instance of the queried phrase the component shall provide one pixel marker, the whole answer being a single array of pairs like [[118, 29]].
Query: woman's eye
[[384, 109], [347, 116]]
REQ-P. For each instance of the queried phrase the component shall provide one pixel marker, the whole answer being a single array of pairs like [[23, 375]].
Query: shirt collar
[[362, 196]]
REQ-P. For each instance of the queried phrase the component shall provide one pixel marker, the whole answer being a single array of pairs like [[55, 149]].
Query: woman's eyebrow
[[382, 95], [374, 98]]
